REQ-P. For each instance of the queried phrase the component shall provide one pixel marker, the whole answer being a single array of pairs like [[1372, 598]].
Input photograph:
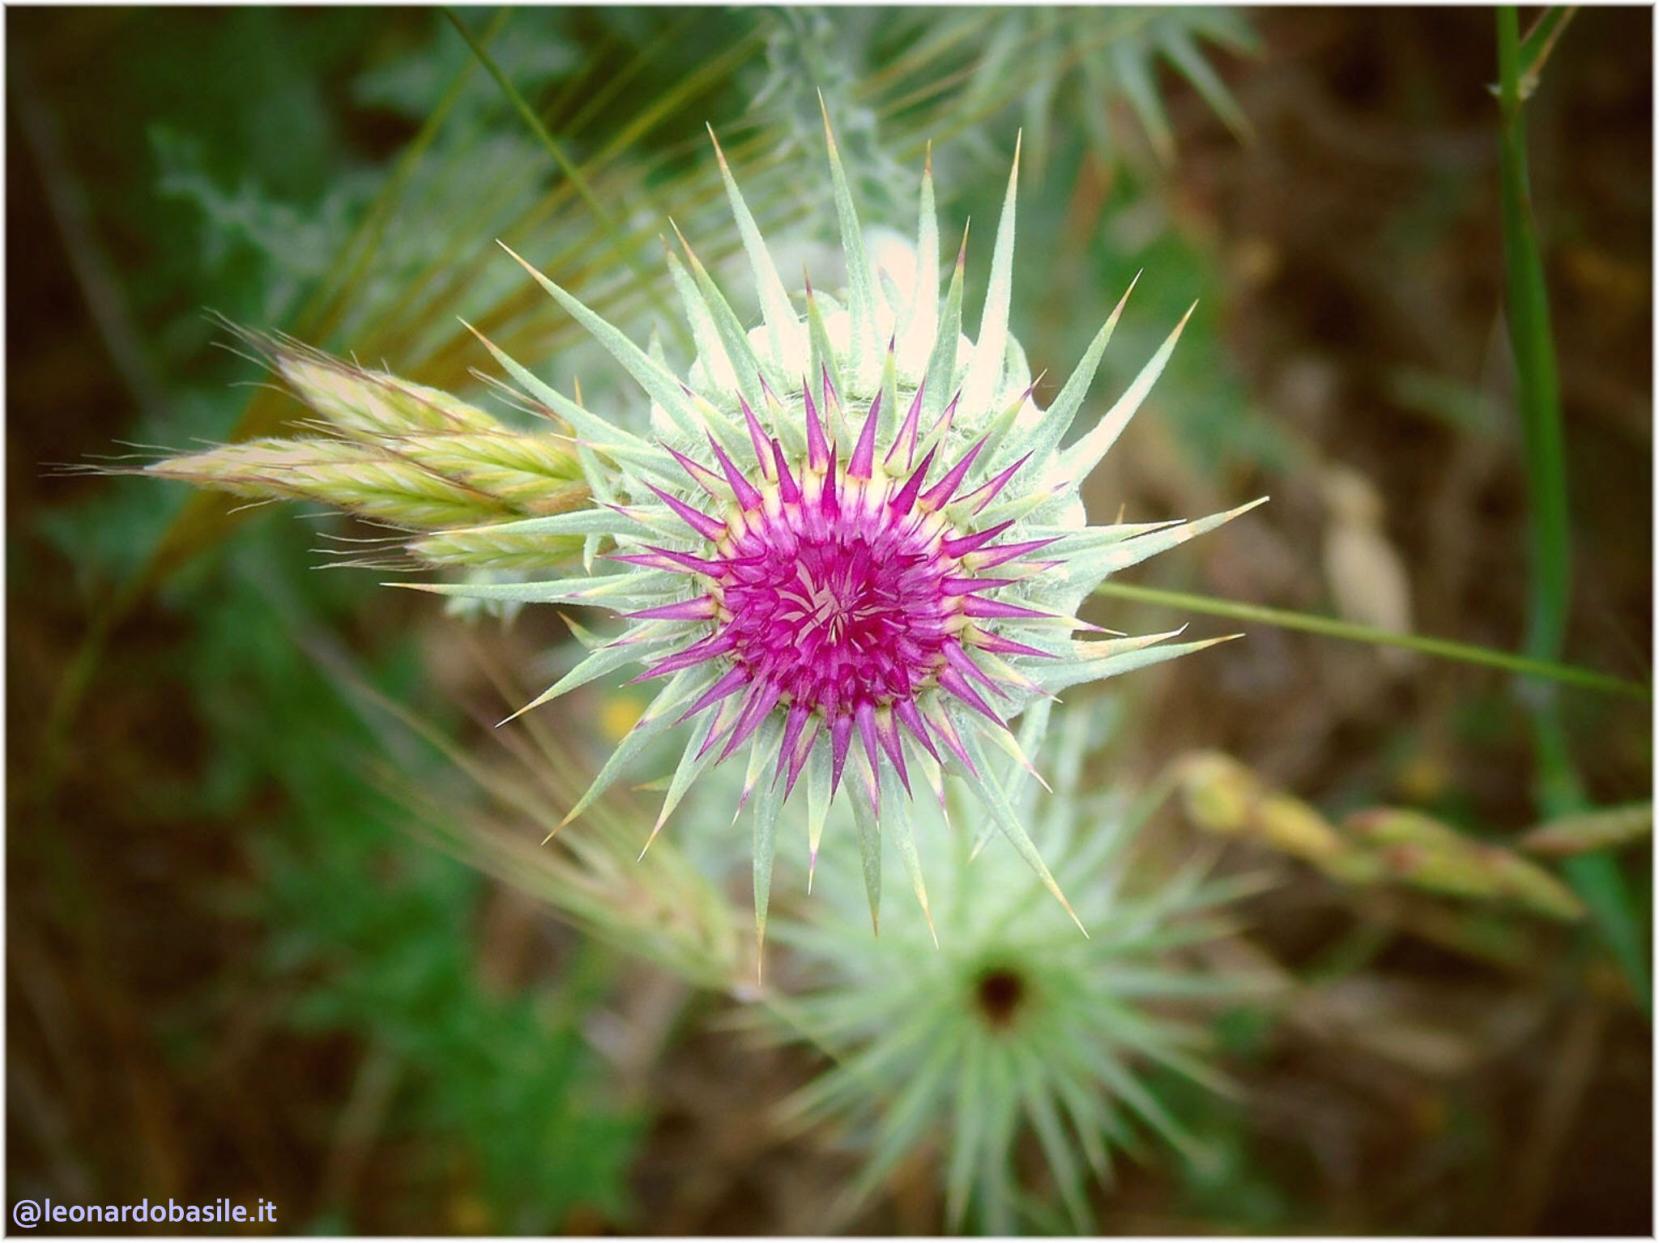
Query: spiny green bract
[[788, 540]]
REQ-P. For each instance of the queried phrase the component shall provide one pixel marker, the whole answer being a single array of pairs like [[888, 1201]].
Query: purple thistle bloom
[[843, 597], [888, 596]]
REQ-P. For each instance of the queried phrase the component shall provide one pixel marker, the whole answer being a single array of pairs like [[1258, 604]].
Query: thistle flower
[[844, 538], [1015, 1028]]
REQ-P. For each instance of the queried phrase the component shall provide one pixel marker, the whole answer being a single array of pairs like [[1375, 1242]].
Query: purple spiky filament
[[841, 596]]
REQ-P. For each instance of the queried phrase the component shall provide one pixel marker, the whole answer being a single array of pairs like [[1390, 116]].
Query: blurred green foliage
[[369, 933], [229, 176], [377, 934]]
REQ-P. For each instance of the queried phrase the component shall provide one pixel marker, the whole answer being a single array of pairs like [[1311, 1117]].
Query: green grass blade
[[1596, 877], [1334, 628], [625, 247]]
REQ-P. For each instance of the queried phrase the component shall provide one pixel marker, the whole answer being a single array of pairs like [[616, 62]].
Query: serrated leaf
[[596, 664], [822, 360], [705, 337], [1002, 810], [941, 363], [734, 340], [861, 303], [767, 805], [782, 325], [980, 386], [1058, 676], [599, 433], [1087, 570], [690, 766], [922, 322], [1044, 436], [904, 837], [574, 522], [817, 806], [656, 380], [613, 591], [1080, 458], [869, 853], [656, 718]]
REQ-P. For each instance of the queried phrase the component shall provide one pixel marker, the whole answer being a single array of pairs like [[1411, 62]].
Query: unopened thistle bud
[[1012, 1031]]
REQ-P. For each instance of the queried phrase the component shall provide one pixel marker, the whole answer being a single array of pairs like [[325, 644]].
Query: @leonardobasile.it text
[[27, 1214]]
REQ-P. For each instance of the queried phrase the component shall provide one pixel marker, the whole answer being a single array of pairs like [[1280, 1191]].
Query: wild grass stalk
[[1335, 628], [1596, 876]]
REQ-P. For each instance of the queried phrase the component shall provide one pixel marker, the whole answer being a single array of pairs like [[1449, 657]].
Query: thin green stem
[[1596, 877], [1537, 385], [319, 319], [625, 246], [1334, 628]]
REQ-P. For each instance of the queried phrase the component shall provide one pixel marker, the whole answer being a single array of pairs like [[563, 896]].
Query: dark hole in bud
[[999, 994]]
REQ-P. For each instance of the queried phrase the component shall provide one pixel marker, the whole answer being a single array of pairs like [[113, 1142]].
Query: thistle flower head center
[[842, 591], [838, 602], [999, 995]]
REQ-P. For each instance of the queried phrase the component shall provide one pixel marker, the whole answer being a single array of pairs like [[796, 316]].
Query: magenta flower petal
[[906, 496], [1002, 645], [702, 475], [987, 558], [963, 545], [792, 727], [905, 711], [863, 460], [696, 654], [987, 492], [939, 495], [960, 661], [761, 699], [905, 441], [786, 482], [887, 731], [799, 759], [957, 685], [757, 437], [978, 606], [745, 491], [700, 609], [734, 680], [707, 527]]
